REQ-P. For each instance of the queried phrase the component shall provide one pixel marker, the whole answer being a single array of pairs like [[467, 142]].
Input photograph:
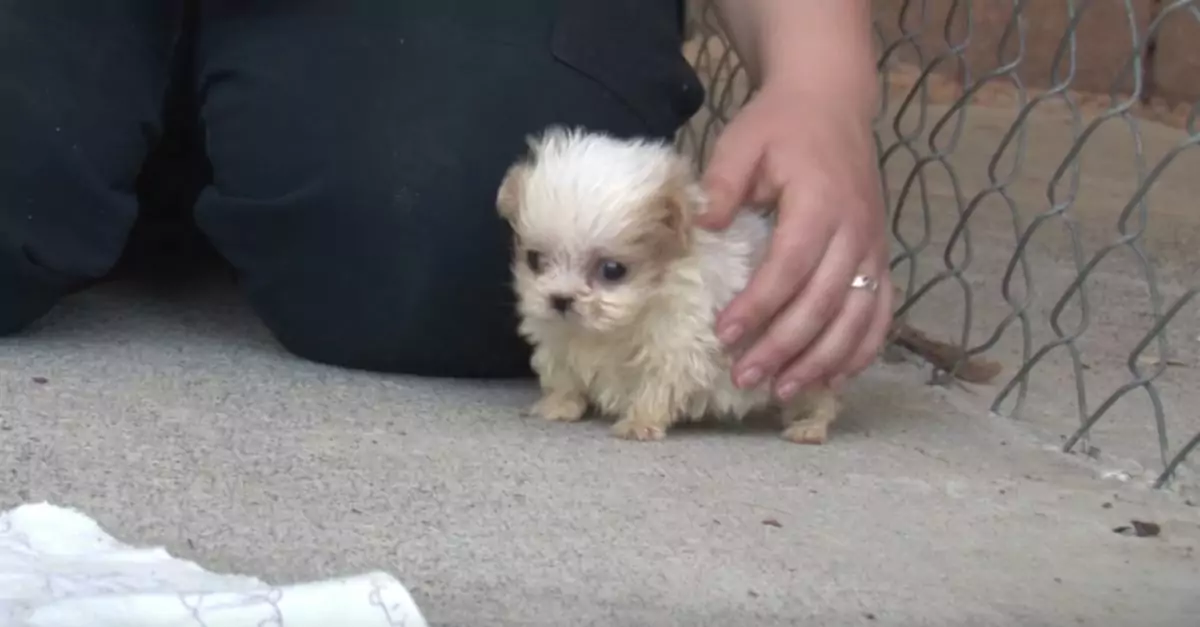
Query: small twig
[[945, 357]]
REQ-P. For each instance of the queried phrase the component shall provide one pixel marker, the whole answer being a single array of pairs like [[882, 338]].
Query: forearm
[[810, 46]]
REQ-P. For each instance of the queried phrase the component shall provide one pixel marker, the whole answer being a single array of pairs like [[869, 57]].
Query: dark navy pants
[[342, 156]]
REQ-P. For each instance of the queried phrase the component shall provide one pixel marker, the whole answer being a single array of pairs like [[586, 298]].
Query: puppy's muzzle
[[562, 304]]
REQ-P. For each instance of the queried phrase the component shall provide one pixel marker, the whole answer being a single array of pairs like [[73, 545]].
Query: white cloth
[[58, 568]]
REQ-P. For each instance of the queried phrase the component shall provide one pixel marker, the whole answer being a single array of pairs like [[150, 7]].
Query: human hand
[[816, 163]]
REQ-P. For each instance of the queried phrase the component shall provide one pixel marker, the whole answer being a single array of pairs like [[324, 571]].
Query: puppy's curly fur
[[618, 292]]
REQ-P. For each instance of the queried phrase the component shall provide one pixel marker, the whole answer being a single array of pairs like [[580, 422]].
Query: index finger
[[727, 178]]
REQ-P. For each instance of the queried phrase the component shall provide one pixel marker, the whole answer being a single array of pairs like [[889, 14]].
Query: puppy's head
[[598, 221]]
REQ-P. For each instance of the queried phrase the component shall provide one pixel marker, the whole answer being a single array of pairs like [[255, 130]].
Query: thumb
[[729, 175]]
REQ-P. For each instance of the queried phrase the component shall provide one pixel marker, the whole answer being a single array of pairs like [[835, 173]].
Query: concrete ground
[[174, 419]]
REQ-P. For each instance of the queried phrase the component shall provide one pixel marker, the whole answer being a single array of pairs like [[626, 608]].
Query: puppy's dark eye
[[533, 259], [613, 271]]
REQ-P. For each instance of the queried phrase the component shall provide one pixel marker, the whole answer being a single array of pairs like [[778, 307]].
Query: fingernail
[[730, 334], [788, 390], [750, 378]]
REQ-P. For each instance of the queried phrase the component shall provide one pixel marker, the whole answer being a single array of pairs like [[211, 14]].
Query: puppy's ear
[[679, 203], [512, 189]]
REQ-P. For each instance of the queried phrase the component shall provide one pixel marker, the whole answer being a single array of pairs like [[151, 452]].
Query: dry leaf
[[1139, 528]]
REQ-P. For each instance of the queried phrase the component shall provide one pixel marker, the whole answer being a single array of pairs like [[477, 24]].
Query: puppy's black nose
[[561, 303]]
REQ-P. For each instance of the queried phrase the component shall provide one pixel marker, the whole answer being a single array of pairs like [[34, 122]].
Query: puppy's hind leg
[[563, 398], [807, 418]]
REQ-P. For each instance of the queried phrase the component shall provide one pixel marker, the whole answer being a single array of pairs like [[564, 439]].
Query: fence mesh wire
[[1041, 187]]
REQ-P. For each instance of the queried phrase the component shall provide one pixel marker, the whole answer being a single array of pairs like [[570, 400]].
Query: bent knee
[[27, 291], [414, 315], [420, 343]]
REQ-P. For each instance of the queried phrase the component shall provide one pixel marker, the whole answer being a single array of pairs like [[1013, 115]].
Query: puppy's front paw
[[809, 417], [807, 432], [638, 430], [560, 408]]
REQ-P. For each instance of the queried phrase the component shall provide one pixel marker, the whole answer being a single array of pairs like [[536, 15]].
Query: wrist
[[856, 96], [822, 51]]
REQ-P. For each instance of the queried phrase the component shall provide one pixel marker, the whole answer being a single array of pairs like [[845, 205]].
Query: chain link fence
[[1042, 184]]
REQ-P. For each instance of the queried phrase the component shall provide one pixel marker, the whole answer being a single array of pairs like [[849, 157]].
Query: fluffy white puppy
[[618, 292]]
